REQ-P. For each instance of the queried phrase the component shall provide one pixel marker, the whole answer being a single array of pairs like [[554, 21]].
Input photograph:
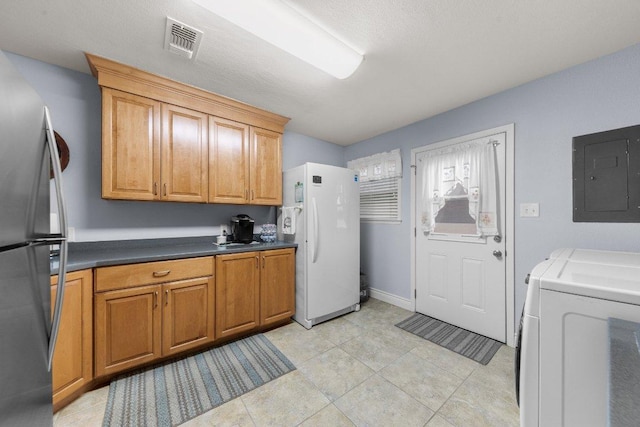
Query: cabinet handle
[[257, 263], [246, 194], [155, 299], [166, 297], [252, 195], [263, 263], [161, 273], [165, 188], [155, 188]]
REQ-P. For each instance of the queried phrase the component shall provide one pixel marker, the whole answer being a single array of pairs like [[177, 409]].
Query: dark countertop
[[83, 255]]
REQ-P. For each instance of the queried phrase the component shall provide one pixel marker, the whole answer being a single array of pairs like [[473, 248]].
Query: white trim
[[404, 303], [509, 131]]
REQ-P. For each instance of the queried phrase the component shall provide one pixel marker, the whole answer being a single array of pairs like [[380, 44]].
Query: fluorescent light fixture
[[281, 25]]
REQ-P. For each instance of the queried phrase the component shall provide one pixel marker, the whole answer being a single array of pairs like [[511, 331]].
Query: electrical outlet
[[71, 231], [529, 209], [224, 228]]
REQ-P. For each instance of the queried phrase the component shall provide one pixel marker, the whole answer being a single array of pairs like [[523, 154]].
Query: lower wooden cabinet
[[128, 325], [237, 293], [277, 286], [187, 315], [148, 311], [139, 324], [73, 356], [254, 289]]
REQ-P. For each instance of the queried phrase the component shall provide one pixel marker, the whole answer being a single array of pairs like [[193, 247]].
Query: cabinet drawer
[[127, 276]]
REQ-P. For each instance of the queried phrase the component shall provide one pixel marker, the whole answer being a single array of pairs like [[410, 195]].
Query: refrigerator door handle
[[57, 173], [314, 256], [62, 266]]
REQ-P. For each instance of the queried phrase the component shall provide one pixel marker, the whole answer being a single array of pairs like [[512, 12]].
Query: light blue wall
[[600, 95], [74, 101], [298, 149]]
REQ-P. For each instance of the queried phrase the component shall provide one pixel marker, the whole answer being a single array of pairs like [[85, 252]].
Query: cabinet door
[[277, 286], [127, 328], [228, 161], [187, 314], [130, 146], [73, 356], [185, 165], [266, 167], [237, 297]]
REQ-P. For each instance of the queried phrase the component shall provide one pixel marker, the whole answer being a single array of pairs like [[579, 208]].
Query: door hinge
[[415, 293], [415, 233], [414, 169]]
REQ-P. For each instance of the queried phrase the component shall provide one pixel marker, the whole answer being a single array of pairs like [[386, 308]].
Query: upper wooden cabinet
[[245, 164], [228, 161], [184, 164], [130, 146], [266, 167], [151, 150], [164, 140]]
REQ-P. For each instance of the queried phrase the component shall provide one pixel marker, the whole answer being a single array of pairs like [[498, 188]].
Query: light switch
[[529, 209]]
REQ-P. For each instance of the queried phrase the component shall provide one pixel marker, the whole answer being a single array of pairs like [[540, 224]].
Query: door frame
[[509, 130]]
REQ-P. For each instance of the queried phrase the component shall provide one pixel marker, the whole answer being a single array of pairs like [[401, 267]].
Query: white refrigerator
[[321, 213]]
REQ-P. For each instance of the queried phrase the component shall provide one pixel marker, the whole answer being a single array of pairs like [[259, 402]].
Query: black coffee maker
[[242, 228]]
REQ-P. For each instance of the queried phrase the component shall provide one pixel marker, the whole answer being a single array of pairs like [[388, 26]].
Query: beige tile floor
[[360, 370]]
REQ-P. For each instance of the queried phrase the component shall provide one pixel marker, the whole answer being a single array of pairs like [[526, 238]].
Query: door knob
[[497, 254]]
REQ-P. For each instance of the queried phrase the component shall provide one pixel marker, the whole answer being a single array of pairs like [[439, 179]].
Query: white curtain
[[460, 183], [378, 166]]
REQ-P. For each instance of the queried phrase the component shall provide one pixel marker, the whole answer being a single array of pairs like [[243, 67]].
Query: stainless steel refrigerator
[[27, 328], [321, 213]]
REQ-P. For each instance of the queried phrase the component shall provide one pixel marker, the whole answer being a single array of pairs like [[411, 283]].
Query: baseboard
[[407, 304]]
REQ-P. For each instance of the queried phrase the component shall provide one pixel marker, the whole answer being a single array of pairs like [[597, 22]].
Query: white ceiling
[[422, 57]]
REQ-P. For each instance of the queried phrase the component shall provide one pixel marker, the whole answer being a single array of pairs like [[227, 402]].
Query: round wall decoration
[[63, 152]]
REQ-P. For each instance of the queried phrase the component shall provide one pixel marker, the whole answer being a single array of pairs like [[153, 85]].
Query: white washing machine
[[563, 345]]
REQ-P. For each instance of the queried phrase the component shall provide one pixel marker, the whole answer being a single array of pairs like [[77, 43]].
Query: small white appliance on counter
[[569, 347], [321, 213]]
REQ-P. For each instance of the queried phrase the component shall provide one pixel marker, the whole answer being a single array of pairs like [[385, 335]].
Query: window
[[380, 200], [380, 182]]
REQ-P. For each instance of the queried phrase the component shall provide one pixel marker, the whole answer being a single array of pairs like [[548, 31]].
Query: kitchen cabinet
[[159, 145], [73, 357], [245, 164], [127, 328], [277, 286], [254, 289], [187, 314], [152, 150], [266, 167], [228, 161], [184, 160], [130, 146], [151, 310], [237, 293]]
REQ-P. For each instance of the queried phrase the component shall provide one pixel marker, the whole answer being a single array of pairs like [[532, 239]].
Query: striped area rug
[[466, 343], [175, 392]]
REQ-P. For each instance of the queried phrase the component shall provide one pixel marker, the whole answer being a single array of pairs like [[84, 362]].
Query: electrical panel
[[606, 176]]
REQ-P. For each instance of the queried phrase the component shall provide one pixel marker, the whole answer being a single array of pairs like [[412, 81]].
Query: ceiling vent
[[182, 39]]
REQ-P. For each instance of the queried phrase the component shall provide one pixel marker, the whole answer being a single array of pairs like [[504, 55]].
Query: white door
[[461, 277]]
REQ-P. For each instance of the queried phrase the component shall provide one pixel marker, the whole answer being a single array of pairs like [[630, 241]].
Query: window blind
[[380, 200]]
